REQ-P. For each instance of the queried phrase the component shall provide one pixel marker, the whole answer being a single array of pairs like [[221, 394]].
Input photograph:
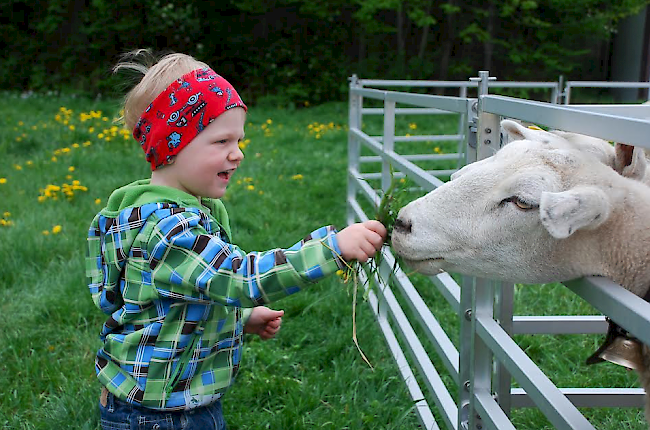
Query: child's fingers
[[377, 227], [274, 324]]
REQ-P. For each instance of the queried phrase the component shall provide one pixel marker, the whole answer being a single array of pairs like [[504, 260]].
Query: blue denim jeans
[[119, 415]]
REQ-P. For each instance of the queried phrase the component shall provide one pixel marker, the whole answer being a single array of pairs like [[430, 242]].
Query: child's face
[[204, 167]]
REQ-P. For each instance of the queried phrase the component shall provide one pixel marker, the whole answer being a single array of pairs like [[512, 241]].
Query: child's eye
[[222, 141]]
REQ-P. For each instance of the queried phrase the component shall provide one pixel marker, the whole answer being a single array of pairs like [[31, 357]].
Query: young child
[[178, 293]]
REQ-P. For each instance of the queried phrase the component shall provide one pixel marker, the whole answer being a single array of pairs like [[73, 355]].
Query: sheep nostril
[[402, 226]]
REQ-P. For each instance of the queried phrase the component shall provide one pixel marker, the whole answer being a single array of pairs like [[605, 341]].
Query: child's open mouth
[[225, 175]]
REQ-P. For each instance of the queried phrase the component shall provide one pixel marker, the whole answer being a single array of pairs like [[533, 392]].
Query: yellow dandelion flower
[[3, 180], [100, 135], [53, 159], [3, 222], [250, 187], [71, 128], [29, 162], [86, 143], [297, 177], [269, 121], [91, 129], [413, 126], [6, 214], [75, 145], [41, 199], [20, 123], [436, 149], [71, 169], [18, 139], [18, 167], [98, 201], [68, 177], [45, 233], [65, 150], [56, 229]]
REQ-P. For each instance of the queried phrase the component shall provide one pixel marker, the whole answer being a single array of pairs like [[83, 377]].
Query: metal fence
[[485, 360]]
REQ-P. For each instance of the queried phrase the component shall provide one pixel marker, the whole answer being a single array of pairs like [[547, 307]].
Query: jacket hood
[[115, 228]]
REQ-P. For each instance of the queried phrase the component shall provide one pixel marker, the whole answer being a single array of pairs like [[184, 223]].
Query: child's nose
[[236, 154]]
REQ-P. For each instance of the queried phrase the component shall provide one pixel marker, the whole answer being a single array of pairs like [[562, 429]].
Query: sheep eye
[[522, 205]]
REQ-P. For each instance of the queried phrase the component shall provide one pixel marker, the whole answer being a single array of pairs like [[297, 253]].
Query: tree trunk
[[424, 39], [448, 34], [488, 45]]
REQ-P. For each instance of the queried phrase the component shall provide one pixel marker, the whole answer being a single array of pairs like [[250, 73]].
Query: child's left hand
[[264, 322]]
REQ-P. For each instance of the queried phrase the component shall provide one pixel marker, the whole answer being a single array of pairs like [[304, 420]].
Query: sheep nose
[[402, 226]]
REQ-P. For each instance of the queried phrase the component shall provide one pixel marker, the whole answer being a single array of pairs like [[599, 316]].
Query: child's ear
[[563, 213]]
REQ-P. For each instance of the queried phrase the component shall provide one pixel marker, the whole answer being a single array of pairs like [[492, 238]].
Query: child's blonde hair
[[157, 74]]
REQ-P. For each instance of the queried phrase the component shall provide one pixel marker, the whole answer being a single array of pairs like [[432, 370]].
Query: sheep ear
[[630, 161], [563, 213], [517, 131]]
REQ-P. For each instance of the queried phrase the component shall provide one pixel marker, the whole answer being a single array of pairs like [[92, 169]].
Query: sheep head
[[519, 216]]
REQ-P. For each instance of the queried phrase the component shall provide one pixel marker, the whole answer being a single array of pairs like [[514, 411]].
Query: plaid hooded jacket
[[161, 266]]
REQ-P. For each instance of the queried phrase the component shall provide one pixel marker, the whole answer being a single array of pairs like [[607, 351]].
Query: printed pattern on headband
[[181, 112]]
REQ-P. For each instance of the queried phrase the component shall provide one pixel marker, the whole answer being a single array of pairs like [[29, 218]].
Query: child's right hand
[[361, 241]]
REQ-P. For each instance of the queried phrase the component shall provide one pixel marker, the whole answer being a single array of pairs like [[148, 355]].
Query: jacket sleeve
[[188, 263]]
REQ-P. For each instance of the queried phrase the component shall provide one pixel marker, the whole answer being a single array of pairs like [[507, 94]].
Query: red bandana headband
[[181, 112]]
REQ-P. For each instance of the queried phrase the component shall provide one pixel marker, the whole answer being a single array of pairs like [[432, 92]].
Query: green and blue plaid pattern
[[174, 288]]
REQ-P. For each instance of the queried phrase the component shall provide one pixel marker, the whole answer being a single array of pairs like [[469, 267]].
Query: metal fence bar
[[626, 308], [599, 84], [490, 411], [407, 111], [414, 157], [421, 406], [609, 127], [434, 331], [451, 104], [641, 111], [402, 175], [589, 397], [448, 288], [421, 177], [559, 324], [441, 397], [420, 138], [550, 400]]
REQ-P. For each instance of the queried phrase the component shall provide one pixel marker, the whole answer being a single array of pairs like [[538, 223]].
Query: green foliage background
[[303, 50]]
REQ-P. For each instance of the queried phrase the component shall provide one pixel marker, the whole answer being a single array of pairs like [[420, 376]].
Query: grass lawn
[[61, 160]]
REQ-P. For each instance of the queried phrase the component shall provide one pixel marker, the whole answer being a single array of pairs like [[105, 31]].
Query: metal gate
[[485, 359]]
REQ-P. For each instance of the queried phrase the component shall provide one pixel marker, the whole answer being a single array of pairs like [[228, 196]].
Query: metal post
[[388, 142], [464, 351], [354, 148], [503, 378], [567, 94], [481, 356], [489, 131], [462, 131]]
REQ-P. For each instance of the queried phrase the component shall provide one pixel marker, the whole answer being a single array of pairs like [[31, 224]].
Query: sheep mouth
[[423, 260]]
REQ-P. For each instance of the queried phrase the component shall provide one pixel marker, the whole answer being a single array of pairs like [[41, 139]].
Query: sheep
[[535, 212]]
